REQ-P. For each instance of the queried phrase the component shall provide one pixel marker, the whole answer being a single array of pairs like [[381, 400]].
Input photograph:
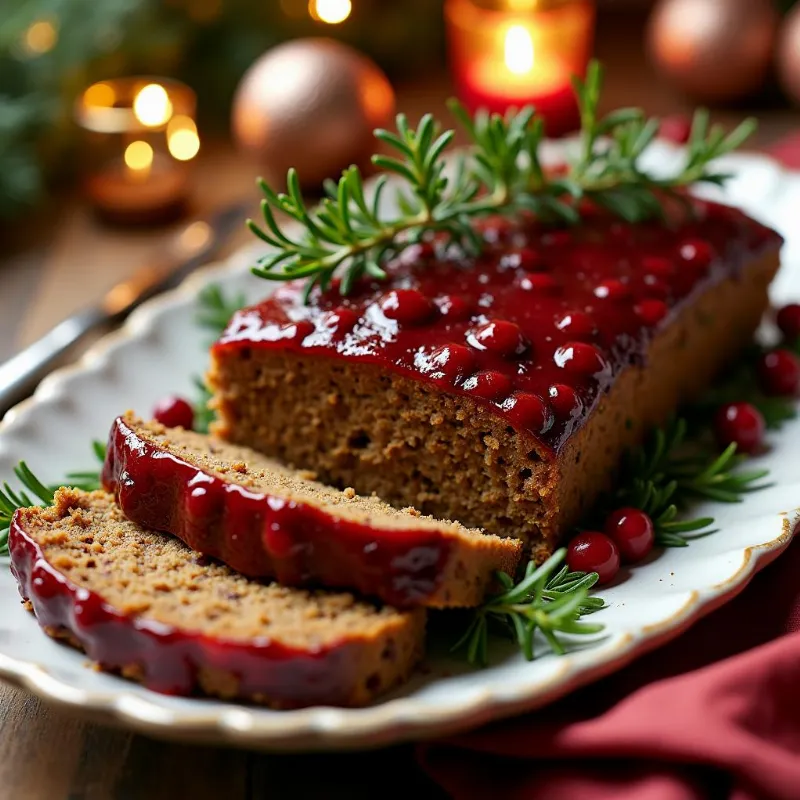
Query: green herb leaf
[[501, 173]]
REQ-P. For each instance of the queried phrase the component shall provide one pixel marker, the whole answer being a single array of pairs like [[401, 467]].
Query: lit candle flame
[[152, 105], [138, 159], [331, 11], [518, 50]]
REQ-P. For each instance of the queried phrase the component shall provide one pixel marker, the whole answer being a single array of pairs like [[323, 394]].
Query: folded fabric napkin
[[714, 714]]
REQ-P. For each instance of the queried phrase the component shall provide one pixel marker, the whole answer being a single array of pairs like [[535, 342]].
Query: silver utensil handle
[[20, 374]]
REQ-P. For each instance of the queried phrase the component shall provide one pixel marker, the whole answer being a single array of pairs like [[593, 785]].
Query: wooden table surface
[[62, 261]]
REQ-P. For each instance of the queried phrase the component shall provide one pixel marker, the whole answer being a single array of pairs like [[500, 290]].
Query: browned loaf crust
[[143, 604], [358, 425], [266, 520]]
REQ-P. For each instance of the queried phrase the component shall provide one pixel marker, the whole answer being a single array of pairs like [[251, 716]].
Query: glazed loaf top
[[536, 328]]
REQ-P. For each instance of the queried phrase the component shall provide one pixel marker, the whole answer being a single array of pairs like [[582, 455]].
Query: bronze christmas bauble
[[713, 50], [789, 54], [311, 104]]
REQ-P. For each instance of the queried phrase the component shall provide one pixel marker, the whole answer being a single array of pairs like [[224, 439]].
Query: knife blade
[[188, 250]]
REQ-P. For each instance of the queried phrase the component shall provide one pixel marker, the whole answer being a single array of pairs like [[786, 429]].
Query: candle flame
[[518, 50], [331, 11], [152, 105], [138, 157]]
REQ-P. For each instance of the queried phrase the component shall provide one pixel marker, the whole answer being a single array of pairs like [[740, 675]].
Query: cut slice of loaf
[[266, 520], [143, 604]]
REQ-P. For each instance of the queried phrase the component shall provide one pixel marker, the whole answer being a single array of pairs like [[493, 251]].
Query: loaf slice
[[266, 520], [143, 604], [499, 391]]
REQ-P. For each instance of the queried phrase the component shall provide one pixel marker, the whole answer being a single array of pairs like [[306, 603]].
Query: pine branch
[[501, 174]]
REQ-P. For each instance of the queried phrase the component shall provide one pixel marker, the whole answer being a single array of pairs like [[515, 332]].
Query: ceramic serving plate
[[161, 349]]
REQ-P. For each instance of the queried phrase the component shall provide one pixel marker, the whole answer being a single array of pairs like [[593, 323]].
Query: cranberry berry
[[779, 373], [633, 533], [788, 320], [592, 551], [739, 423], [174, 412]]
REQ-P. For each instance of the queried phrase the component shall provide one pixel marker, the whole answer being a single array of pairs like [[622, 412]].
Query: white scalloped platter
[[159, 350]]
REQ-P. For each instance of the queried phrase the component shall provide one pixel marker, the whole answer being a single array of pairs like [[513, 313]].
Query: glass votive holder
[[139, 136], [511, 53]]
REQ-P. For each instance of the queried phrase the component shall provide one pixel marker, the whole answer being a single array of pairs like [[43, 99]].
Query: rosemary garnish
[[667, 473], [500, 173], [37, 490], [541, 600]]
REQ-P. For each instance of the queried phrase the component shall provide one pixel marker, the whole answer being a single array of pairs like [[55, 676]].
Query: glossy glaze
[[171, 657], [536, 328], [262, 535]]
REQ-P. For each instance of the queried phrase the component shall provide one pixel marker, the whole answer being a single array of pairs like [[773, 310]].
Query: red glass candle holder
[[511, 53]]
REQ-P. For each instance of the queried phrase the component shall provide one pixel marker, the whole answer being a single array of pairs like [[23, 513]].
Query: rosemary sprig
[[500, 173], [36, 492], [547, 599], [667, 473]]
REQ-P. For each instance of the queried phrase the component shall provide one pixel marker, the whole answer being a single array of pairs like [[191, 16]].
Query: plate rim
[[393, 721]]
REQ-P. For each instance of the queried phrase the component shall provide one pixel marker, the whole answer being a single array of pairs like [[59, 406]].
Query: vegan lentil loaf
[[143, 604], [499, 390], [266, 520]]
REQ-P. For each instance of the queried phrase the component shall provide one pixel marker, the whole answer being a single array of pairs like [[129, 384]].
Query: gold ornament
[[789, 54], [714, 50], [311, 104]]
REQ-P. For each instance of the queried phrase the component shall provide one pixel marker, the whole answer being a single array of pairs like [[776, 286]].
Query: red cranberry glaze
[[262, 535], [174, 412], [499, 336], [171, 657], [684, 256], [742, 424]]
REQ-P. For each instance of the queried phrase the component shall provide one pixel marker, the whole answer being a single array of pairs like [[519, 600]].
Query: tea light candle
[[140, 134], [511, 53]]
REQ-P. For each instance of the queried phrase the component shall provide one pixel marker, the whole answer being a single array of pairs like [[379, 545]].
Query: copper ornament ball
[[789, 54], [311, 104], [714, 50]]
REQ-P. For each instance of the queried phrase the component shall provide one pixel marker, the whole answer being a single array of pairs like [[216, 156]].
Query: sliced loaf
[[266, 520], [143, 604]]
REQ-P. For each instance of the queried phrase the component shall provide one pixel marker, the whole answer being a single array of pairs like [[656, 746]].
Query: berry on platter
[[779, 373], [633, 533], [788, 319], [592, 551], [739, 423], [174, 412]]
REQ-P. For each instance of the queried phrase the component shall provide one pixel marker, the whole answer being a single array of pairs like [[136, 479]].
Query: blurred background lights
[[40, 37], [138, 157], [331, 11], [182, 139], [152, 105]]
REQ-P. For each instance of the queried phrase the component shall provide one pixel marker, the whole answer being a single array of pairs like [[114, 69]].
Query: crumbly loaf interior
[[411, 444], [255, 471], [86, 538]]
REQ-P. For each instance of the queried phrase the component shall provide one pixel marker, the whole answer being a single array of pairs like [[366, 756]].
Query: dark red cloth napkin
[[714, 714]]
